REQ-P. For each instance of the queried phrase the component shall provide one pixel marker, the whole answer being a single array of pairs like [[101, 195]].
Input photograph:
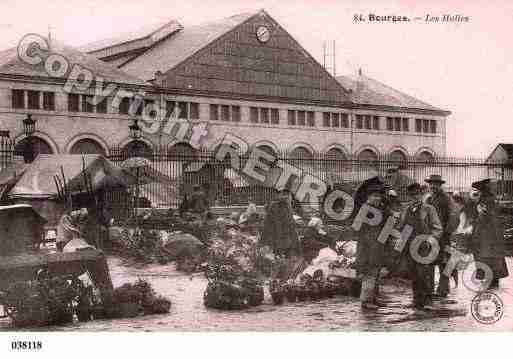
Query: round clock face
[[263, 34]]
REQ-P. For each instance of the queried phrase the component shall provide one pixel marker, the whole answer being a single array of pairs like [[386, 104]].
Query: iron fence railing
[[6, 151], [232, 178], [227, 179]]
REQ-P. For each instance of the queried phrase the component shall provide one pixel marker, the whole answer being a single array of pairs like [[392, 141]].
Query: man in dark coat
[[422, 217], [442, 203], [398, 181], [279, 230], [488, 236], [370, 252]]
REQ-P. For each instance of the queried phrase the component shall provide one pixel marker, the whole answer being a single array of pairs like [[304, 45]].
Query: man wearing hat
[[370, 252], [442, 203], [423, 218], [397, 181], [488, 235]]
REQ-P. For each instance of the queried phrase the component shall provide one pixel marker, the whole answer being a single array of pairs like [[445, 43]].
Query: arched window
[[425, 156], [398, 156], [31, 147], [368, 159], [367, 155], [335, 154], [301, 153], [267, 149], [87, 146], [137, 149], [335, 162]]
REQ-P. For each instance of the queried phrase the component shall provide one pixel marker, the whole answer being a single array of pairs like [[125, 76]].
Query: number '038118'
[[26, 345]]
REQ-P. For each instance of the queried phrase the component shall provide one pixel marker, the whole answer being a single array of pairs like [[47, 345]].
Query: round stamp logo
[[487, 308]]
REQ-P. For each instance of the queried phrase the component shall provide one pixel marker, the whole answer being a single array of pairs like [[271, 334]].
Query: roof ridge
[[108, 72], [247, 16], [375, 92], [395, 90], [160, 25]]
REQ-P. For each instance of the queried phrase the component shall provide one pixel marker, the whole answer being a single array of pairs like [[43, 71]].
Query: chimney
[[49, 37], [359, 81]]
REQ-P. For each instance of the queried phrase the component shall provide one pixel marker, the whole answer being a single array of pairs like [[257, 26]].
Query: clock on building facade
[[263, 34]]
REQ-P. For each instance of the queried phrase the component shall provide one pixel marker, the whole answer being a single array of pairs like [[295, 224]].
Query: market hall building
[[244, 75]]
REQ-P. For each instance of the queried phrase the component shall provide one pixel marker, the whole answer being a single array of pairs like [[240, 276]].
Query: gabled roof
[[11, 64], [151, 32], [180, 46], [367, 91], [506, 147]]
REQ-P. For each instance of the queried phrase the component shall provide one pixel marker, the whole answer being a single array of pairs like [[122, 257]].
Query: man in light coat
[[423, 219]]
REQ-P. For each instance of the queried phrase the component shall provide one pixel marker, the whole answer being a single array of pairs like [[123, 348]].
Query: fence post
[[6, 149]]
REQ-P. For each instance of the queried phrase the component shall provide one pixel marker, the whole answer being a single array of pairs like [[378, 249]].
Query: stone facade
[[61, 128]]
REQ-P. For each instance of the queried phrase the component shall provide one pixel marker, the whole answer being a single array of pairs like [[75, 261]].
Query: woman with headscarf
[[70, 227], [487, 239]]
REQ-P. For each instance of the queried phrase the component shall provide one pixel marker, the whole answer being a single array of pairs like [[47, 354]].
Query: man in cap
[[423, 219], [397, 181], [442, 203]]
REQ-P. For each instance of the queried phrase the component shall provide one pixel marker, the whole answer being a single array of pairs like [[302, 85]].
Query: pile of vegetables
[[153, 219], [142, 245], [233, 281], [133, 299], [312, 288], [48, 301], [152, 246]]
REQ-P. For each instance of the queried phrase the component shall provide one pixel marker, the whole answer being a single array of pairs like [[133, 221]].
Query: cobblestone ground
[[336, 314]]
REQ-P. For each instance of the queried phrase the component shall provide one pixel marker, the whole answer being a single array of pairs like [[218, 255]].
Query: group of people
[[443, 218]]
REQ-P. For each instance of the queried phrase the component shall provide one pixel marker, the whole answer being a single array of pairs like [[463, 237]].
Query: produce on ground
[[233, 280], [47, 301], [134, 299]]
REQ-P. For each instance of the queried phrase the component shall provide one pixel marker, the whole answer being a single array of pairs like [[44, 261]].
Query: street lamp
[[135, 131], [29, 128]]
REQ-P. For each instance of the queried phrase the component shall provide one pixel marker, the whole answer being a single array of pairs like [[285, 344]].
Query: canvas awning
[[37, 179]]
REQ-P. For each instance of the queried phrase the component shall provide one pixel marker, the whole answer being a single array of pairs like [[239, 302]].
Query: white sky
[[466, 68]]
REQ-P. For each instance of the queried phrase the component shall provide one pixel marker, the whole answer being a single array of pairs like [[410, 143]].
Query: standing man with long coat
[[442, 203], [488, 235], [422, 217]]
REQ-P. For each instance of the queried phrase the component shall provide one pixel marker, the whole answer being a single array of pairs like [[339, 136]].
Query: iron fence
[[230, 180], [6, 150]]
